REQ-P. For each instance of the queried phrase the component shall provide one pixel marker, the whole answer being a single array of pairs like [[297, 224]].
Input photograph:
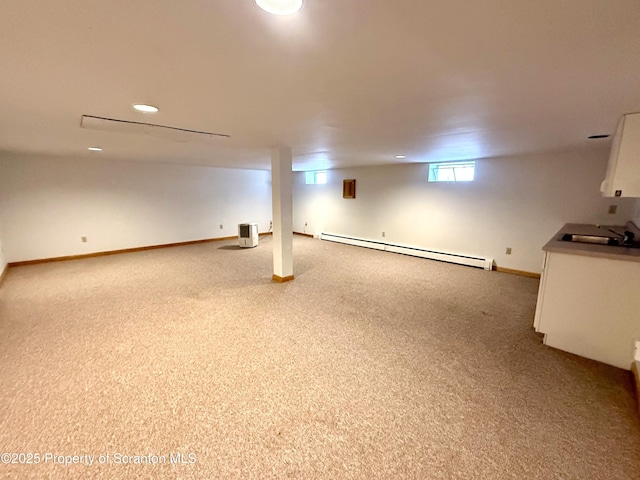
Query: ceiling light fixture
[[399, 157], [141, 107], [280, 7], [95, 149]]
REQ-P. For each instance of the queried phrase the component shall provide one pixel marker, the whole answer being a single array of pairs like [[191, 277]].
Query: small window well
[[316, 178], [452, 172]]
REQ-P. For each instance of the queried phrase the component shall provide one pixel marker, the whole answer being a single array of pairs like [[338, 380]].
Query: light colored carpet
[[369, 365]]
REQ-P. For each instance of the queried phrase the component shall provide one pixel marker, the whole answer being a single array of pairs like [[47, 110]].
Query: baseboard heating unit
[[478, 262]]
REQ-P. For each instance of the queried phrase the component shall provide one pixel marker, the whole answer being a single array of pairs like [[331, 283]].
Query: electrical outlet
[[84, 239], [220, 226], [508, 252], [384, 234], [613, 209]]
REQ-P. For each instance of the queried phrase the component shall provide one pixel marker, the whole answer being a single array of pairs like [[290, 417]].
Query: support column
[[281, 194]]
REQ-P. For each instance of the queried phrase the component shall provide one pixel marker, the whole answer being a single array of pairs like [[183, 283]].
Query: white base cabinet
[[590, 307]]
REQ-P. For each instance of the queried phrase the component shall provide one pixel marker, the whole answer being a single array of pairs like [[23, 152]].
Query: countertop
[[592, 250]]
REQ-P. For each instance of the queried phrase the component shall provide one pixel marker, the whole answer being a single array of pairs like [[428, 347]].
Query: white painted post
[[281, 194]]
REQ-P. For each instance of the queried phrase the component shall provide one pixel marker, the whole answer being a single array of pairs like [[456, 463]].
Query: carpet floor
[[189, 363]]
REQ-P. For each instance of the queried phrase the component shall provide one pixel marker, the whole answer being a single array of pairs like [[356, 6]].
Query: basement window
[[316, 178], [452, 172]]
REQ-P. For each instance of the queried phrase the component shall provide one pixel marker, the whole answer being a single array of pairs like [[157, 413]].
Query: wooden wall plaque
[[349, 188]]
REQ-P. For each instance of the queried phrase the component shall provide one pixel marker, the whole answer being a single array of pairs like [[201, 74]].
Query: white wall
[[50, 203], [514, 202], [3, 260]]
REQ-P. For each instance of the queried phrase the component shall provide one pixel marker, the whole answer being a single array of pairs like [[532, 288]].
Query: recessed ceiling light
[[95, 149], [401, 156], [598, 136], [141, 107], [280, 7]]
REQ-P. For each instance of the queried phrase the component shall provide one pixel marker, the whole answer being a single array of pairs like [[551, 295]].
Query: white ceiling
[[343, 82]]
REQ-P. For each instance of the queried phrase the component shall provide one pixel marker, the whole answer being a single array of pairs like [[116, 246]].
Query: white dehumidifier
[[248, 235]]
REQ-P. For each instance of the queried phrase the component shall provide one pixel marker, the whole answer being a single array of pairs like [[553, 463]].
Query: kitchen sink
[[600, 240], [595, 239]]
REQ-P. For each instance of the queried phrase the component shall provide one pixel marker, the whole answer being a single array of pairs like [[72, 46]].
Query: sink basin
[[596, 239]]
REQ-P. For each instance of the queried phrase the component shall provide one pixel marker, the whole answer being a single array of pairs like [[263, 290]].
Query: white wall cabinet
[[590, 306], [623, 170]]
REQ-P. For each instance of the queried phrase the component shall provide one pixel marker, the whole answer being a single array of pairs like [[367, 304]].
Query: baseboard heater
[[478, 262]]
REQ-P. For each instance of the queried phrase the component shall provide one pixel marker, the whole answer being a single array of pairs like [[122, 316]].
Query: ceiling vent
[[138, 128]]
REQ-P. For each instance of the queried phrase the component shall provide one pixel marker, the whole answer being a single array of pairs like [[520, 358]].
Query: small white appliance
[[248, 235]]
